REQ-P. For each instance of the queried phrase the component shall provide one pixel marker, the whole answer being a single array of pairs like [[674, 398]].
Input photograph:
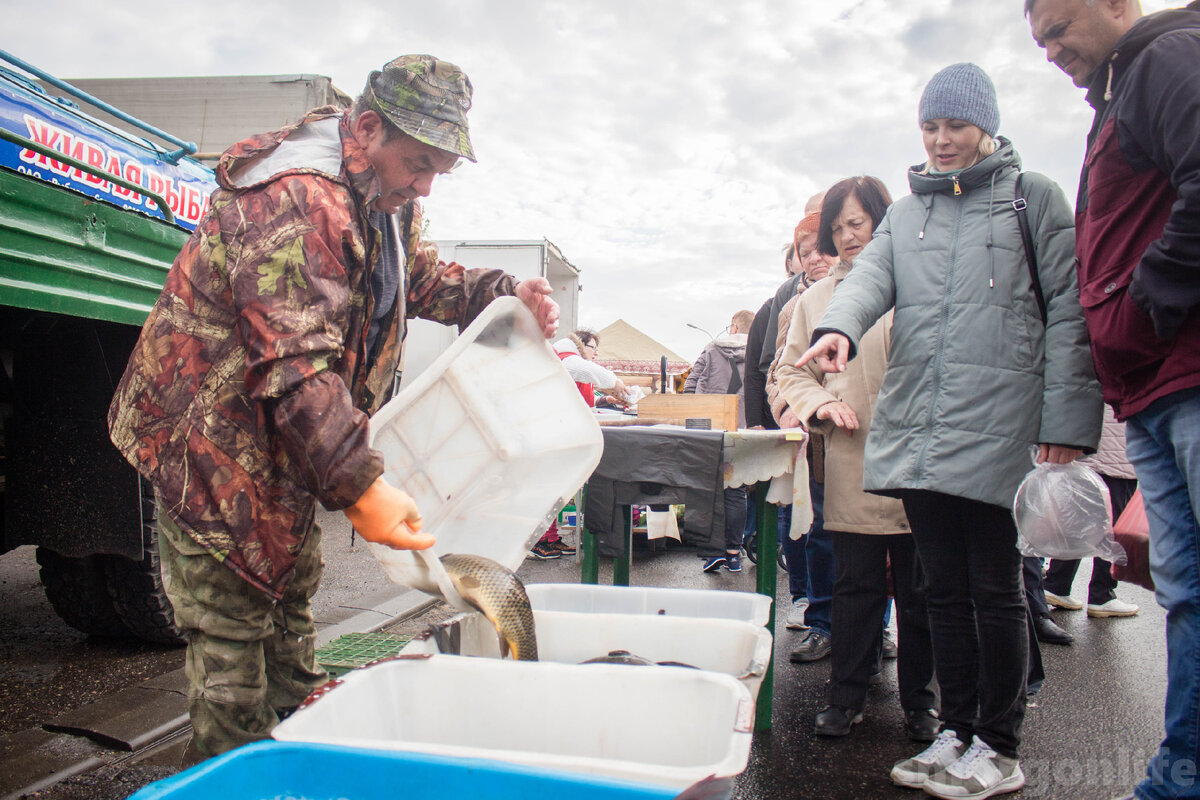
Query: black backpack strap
[[1020, 206], [735, 381]]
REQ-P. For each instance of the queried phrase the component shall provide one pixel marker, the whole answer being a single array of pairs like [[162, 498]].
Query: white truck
[[523, 258], [214, 112]]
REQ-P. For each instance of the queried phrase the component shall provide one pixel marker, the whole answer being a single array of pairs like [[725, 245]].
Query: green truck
[[91, 217]]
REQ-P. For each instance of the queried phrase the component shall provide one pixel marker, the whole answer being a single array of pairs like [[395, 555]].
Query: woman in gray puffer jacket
[[974, 380]]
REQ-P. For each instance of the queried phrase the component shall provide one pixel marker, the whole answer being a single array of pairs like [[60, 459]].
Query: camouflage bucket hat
[[426, 98]]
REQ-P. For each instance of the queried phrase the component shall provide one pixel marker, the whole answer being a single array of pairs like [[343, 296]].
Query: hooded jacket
[[246, 399], [974, 379], [712, 373], [1138, 213]]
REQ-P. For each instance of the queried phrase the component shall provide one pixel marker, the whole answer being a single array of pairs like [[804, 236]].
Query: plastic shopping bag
[[1063, 511]]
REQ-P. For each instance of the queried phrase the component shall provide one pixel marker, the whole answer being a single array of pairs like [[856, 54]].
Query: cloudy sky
[[667, 147]]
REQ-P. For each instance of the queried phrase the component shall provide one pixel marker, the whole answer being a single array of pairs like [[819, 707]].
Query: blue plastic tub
[[291, 771]]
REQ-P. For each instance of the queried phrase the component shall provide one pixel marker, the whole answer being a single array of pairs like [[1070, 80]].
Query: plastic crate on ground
[[352, 650], [275, 770], [730, 646], [591, 598], [659, 725]]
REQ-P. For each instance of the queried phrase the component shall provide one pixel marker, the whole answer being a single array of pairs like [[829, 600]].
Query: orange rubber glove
[[388, 516]]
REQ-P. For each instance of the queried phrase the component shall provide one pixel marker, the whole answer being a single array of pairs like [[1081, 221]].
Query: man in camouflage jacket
[[278, 333]]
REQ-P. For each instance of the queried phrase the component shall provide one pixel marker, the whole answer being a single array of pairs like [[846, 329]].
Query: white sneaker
[[945, 750], [795, 617], [1060, 601], [1113, 608], [980, 772]]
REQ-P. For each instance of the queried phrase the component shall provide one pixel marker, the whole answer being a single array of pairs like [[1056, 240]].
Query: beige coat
[[847, 507], [774, 398], [1109, 458]]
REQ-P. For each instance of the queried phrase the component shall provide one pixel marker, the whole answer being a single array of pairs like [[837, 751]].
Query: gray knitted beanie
[[961, 91]]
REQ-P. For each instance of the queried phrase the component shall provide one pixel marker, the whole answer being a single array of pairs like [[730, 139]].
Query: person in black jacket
[[1137, 222]]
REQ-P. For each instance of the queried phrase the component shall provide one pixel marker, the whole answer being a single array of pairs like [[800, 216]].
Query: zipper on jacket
[[943, 324], [957, 188]]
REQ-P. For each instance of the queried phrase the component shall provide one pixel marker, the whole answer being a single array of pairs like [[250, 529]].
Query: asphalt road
[[47, 667], [1087, 734]]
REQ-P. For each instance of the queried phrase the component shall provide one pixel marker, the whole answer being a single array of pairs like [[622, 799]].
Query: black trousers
[[1103, 586], [977, 614], [859, 598], [735, 518]]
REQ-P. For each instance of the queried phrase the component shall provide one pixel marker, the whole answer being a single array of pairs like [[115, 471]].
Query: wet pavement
[[1087, 734]]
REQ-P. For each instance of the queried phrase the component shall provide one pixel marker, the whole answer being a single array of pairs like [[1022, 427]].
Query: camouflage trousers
[[250, 659]]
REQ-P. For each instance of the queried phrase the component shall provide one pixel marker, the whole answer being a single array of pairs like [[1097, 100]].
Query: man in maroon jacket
[[1137, 236]]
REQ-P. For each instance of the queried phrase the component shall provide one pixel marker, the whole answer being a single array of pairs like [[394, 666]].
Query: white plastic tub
[[590, 598], [491, 440], [732, 647], [660, 725]]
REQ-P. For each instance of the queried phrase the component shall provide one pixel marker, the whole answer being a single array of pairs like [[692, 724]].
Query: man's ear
[[1119, 9], [366, 128]]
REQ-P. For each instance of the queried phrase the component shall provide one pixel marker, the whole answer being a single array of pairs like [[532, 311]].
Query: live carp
[[500, 596]]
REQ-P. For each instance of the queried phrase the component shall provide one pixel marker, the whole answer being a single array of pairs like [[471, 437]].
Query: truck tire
[[77, 588], [139, 588]]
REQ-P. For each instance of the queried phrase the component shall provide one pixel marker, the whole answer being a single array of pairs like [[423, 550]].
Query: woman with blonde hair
[[989, 359]]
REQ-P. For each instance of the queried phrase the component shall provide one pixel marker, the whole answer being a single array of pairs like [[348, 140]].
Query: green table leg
[[589, 557], [590, 570], [768, 546], [621, 565]]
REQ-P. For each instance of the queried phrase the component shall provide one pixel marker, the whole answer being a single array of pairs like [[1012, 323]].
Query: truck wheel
[[77, 588], [139, 588]]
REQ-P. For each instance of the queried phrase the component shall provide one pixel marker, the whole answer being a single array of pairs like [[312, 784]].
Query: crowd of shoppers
[[971, 320]]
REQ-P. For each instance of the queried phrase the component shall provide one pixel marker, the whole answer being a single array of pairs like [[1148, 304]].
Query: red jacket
[[586, 389], [1138, 213]]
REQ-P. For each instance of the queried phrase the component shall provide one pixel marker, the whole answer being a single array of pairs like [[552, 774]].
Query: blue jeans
[[793, 555], [818, 557], [751, 512], [1163, 444]]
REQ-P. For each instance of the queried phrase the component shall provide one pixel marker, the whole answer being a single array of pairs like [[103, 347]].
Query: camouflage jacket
[[247, 397]]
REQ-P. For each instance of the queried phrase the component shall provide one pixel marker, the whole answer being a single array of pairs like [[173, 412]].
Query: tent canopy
[[625, 349]]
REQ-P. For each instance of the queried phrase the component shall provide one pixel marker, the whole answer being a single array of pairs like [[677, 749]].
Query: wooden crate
[[719, 410]]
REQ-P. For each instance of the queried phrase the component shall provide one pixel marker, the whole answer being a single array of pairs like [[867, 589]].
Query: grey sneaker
[[1113, 608], [912, 772], [980, 772], [813, 647], [890, 648], [795, 617], [1063, 601]]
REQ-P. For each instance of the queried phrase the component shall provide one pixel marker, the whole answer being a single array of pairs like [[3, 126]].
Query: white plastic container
[[729, 646], [590, 598], [661, 725], [491, 440]]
